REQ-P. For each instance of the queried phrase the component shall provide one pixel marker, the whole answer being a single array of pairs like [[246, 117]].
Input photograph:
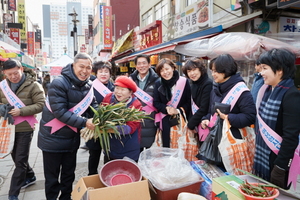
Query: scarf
[[15, 86], [168, 84], [268, 110]]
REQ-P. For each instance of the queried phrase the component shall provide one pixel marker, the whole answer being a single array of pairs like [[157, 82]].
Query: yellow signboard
[[22, 18]]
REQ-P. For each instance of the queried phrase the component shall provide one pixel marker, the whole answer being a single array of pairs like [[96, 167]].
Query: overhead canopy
[[240, 45], [10, 49], [168, 46], [61, 62]]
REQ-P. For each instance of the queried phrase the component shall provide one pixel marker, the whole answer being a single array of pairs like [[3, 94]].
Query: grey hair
[[82, 56]]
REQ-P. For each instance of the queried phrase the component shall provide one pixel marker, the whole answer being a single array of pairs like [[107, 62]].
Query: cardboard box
[[91, 188], [226, 187], [173, 194]]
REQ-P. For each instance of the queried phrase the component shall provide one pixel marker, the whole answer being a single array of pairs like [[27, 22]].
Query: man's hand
[[15, 112]]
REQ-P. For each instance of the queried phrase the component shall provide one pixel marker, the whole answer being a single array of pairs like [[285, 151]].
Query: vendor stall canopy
[[8, 51], [240, 45]]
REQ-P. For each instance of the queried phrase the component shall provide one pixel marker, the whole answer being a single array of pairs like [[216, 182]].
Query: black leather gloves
[[279, 177], [4, 109]]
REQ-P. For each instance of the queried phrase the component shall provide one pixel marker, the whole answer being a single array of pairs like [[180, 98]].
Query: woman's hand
[[171, 110], [204, 123], [89, 124], [222, 115]]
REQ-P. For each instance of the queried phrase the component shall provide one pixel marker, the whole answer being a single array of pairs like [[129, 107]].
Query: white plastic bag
[[167, 168]]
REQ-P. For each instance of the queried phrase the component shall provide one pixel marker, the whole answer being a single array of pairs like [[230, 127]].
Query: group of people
[[161, 93]]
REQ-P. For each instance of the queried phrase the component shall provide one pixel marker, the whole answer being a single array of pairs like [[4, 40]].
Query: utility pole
[[74, 32]]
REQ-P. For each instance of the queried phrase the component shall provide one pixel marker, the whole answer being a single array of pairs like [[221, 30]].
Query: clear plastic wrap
[[167, 168], [240, 45]]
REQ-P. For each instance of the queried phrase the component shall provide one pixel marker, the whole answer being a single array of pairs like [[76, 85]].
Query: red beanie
[[125, 82]]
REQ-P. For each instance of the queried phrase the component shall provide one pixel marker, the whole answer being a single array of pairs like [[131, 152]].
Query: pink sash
[[231, 98], [273, 140], [15, 101], [80, 108], [147, 99], [101, 88], [175, 99]]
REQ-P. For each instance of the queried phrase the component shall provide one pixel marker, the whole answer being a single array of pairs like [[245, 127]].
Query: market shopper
[[278, 109], [128, 145], [65, 113], [201, 86], [21, 90], [144, 77], [167, 89], [46, 83], [258, 80], [242, 114], [103, 85]]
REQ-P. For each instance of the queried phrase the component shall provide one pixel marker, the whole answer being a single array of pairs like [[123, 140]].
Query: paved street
[[36, 191]]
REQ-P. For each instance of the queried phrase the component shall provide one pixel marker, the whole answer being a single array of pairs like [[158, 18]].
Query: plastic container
[[119, 171], [173, 194], [120, 179], [249, 197]]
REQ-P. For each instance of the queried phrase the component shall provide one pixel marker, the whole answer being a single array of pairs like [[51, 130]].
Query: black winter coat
[[160, 103], [65, 92], [148, 127], [244, 111], [200, 90]]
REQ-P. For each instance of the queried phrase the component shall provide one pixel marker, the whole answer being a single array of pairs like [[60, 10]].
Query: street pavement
[[36, 191]]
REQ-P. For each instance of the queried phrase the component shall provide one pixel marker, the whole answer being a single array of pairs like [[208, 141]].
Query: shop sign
[[12, 5], [107, 27], [131, 64], [123, 43], [286, 3], [22, 18], [193, 19], [7, 18], [123, 69], [151, 35], [15, 35], [30, 43], [289, 24]]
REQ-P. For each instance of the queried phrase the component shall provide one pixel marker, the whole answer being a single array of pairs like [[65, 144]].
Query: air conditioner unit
[[271, 3]]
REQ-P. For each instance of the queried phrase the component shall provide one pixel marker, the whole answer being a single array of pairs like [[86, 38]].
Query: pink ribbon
[[15, 101], [101, 88], [80, 108], [273, 140]]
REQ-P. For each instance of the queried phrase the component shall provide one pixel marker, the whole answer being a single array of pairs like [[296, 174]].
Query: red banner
[[30, 43], [15, 35], [107, 27], [12, 5]]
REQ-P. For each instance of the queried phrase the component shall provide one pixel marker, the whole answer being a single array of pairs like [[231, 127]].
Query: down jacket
[[148, 126], [64, 92], [243, 112], [31, 93]]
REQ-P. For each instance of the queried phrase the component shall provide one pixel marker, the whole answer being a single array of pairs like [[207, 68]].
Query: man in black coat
[[144, 76], [65, 113]]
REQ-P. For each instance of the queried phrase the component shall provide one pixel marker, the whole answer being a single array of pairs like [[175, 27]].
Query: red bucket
[[119, 171]]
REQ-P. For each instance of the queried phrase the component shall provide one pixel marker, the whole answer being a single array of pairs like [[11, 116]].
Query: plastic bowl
[[119, 171], [249, 197]]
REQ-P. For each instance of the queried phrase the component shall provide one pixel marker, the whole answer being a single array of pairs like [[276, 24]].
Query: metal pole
[[75, 39]]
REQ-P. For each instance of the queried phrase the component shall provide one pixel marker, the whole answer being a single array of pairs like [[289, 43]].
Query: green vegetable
[[106, 118], [260, 190]]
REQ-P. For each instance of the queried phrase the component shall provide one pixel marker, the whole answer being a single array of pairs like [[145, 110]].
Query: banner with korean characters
[[195, 18]]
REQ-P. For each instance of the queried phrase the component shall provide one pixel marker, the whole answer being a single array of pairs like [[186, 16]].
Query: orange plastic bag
[[237, 153], [7, 138]]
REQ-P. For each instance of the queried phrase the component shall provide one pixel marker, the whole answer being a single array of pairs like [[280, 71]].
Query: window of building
[[161, 10], [147, 18], [190, 2]]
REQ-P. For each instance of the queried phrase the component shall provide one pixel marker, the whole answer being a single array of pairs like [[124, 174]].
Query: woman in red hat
[[129, 144]]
